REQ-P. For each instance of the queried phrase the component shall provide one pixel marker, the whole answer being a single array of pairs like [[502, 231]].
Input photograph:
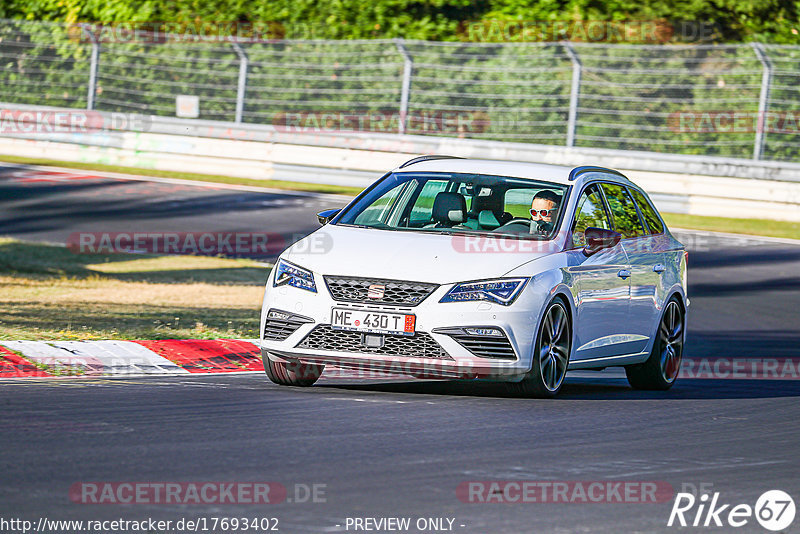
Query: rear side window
[[623, 211], [648, 212], [590, 213]]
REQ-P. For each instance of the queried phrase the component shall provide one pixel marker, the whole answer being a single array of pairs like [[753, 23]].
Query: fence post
[[575, 89], [408, 66], [241, 87], [93, 60], [763, 100]]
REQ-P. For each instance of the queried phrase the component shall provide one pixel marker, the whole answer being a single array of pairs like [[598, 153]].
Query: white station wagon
[[459, 268]]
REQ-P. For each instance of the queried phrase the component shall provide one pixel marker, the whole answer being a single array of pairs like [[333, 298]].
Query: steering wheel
[[534, 227], [514, 225], [518, 220]]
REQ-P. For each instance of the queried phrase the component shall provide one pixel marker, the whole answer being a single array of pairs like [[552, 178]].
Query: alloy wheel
[[670, 337], [554, 347]]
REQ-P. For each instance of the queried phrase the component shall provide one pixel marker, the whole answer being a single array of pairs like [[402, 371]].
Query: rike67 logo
[[774, 510]]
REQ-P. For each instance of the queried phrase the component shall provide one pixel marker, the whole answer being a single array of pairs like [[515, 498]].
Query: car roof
[[560, 174]]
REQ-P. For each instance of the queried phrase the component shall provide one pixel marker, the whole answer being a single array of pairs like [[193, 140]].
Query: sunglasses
[[543, 213]]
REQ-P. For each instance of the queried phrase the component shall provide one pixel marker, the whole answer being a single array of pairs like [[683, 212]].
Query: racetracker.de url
[[178, 526]]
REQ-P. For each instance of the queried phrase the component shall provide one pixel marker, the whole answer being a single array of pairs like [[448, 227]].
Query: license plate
[[372, 321]]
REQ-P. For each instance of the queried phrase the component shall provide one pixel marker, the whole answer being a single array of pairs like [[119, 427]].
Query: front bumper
[[435, 324]]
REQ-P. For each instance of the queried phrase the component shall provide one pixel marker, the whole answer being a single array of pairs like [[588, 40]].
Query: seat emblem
[[376, 291]]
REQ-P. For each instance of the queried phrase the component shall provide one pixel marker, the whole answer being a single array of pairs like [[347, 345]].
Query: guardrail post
[[241, 87], [763, 99], [93, 60], [408, 66], [574, 92]]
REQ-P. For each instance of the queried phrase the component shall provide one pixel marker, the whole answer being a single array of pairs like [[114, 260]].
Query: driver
[[543, 208]]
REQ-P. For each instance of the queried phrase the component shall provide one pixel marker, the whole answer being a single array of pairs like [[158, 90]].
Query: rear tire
[[291, 374], [550, 356], [660, 370]]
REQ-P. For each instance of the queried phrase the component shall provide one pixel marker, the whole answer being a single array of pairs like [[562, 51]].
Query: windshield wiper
[[351, 225]]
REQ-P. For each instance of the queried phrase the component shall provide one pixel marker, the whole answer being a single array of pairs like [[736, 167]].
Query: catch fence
[[718, 100]]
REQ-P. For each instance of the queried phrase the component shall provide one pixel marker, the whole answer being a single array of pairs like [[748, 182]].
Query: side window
[[623, 211], [590, 213], [423, 206], [648, 212], [378, 211]]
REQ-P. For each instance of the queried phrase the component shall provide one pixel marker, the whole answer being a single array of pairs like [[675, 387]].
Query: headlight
[[501, 291], [288, 274]]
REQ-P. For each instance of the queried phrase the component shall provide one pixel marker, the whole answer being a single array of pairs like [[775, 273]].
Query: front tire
[[291, 374], [660, 370], [551, 355]]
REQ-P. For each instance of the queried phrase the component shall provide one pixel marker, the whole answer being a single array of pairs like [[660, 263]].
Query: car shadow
[[582, 389]]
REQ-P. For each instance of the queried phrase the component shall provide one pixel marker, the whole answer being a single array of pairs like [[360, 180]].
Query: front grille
[[280, 325], [495, 347], [420, 345], [399, 292]]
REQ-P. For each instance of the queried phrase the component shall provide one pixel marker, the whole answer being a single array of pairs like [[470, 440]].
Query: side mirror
[[599, 238], [325, 216]]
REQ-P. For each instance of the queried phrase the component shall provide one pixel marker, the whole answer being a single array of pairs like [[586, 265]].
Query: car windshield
[[456, 202]]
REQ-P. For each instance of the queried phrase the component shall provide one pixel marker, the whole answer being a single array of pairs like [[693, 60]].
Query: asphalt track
[[401, 448], [48, 206]]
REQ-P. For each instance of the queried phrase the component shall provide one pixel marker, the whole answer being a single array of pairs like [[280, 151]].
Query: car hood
[[411, 255]]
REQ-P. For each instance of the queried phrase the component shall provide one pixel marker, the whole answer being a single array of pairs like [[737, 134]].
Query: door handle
[[624, 273], [659, 268]]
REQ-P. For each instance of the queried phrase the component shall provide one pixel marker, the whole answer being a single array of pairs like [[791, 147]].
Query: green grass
[[50, 293], [762, 227], [214, 178]]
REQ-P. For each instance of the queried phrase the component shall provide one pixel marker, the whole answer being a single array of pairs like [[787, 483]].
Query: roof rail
[[577, 171], [425, 158]]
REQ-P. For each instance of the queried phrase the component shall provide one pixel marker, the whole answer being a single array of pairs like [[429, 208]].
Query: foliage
[[732, 20]]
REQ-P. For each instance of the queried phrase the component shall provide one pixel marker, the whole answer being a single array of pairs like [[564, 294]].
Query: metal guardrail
[[735, 101], [112, 125]]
